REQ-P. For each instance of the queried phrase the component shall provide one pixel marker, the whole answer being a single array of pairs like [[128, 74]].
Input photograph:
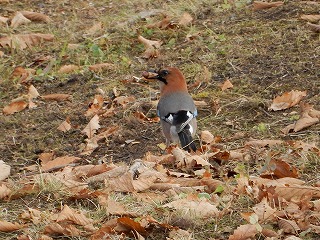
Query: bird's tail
[[186, 140]]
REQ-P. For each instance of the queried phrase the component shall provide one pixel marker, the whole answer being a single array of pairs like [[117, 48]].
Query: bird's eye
[[164, 72]]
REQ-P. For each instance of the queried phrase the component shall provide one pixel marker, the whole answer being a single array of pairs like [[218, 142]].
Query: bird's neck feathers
[[173, 86]]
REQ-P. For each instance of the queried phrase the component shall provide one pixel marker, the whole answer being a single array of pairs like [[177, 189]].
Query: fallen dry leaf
[[152, 47], [70, 215], [23, 74], [263, 143], [89, 147], [206, 137], [36, 17], [3, 20], [258, 5], [201, 208], [14, 107], [65, 125], [142, 117], [46, 157], [314, 27], [124, 100], [244, 232], [185, 19], [311, 18], [68, 68], [95, 29], [288, 226], [165, 23], [4, 191], [132, 225], [264, 211], [57, 97], [277, 168], [18, 20], [96, 105], [9, 227], [287, 100], [22, 41], [226, 85], [5, 170], [101, 67], [65, 229], [32, 214], [33, 92], [59, 162], [92, 127], [308, 117]]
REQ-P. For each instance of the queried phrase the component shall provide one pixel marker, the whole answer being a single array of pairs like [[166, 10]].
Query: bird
[[176, 108]]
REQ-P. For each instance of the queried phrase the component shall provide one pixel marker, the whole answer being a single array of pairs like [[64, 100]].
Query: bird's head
[[171, 79]]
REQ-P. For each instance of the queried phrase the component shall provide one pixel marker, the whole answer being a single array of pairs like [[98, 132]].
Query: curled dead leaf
[[142, 117], [287, 100], [244, 232], [95, 29], [22, 41], [59, 162], [5, 170], [9, 227], [36, 17], [314, 27], [101, 67], [152, 47], [18, 20], [56, 97], [201, 207], [4, 191], [258, 5], [16, 106], [226, 85], [311, 18], [65, 125], [185, 19], [3, 20], [207, 137], [92, 127], [165, 23], [95, 106], [288, 226], [68, 68]]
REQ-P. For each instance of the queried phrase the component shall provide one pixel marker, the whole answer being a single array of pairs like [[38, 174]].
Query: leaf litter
[[189, 187]]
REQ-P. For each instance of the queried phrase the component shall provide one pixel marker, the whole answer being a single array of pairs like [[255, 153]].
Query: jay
[[176, 107]]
